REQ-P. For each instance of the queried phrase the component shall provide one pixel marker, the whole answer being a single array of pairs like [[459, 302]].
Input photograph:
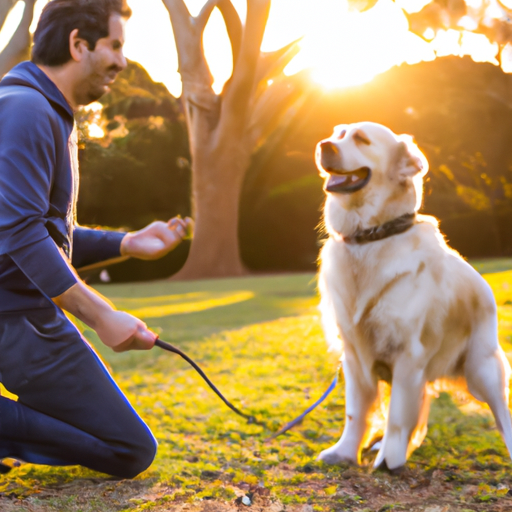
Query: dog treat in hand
[[190, 229]]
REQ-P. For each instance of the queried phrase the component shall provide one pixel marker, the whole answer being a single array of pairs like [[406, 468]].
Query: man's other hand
[[157, 239]]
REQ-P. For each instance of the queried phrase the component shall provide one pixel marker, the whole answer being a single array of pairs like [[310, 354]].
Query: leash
[[298, 419], [171, 348], [250, 419]]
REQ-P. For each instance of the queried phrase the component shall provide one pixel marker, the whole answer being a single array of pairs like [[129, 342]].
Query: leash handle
[[171, 348]]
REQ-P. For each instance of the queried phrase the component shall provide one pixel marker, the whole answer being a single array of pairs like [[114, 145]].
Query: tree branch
[[242, 83], [233, 27], [274, 104], [273, 63], [18, 47], [203, 17], [193, 67]]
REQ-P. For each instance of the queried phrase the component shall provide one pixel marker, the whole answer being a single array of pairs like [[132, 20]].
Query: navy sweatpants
[[69, 410]]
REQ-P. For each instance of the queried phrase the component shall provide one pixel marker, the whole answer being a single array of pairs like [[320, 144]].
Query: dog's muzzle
[[341, 180]]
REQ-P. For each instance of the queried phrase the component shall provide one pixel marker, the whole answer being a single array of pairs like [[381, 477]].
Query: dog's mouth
[[346, 182]]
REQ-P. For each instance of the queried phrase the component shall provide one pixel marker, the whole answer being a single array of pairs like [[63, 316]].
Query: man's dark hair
[[60, 17]]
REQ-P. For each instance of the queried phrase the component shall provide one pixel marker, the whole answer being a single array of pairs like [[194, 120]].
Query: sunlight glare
[[11, 24], [95, 131], [349, 48], [217, 49], [412, 5], [506, 58], [37, 13], [429, 34], [479, 47], [341, 47]]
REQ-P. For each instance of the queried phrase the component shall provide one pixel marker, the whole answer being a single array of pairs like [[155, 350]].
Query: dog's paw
[[383, 466], [335, 457]]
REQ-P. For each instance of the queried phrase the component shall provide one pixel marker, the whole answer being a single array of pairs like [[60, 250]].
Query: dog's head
[[371, 171]]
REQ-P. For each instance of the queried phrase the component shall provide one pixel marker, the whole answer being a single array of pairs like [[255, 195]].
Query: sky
[[342, 48]]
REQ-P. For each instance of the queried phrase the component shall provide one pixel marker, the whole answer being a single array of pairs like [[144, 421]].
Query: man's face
[[101, 66]]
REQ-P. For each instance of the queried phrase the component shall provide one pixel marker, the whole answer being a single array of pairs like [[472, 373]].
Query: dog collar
[[390, 228]]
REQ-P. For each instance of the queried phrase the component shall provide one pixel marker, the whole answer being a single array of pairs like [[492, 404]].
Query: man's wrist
[[84, 303], [124, 248]]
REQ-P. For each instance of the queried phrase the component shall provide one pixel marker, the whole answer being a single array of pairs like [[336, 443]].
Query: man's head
[[87, 36]]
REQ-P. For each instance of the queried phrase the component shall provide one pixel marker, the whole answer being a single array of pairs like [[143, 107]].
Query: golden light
[[345, 48], [94, 129], [340, 46], [156, 307], [11, 22]]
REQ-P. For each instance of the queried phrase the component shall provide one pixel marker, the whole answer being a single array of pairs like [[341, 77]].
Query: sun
[[345, 48]]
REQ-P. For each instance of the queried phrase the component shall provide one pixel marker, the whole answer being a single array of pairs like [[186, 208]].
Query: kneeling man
[[69, 409]]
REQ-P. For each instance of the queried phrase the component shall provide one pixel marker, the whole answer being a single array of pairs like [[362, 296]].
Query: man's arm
[[94, 248], [27, 156], [116, 329]]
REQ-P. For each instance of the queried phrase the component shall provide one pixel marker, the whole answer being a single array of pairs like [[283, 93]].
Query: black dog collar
[[390, 228]]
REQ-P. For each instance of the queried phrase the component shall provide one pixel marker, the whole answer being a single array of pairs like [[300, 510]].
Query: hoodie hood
[[29, 75]]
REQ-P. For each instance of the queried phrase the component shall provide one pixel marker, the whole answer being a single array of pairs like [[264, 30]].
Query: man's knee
[[138, 457]]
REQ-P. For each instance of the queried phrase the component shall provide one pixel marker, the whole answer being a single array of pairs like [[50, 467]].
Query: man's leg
[[69, 409]]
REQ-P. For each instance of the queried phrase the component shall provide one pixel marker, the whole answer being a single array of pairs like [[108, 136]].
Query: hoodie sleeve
[[94, 245], [27, 160]]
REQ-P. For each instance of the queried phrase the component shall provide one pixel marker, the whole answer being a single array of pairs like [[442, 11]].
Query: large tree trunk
[[217, 178], [225, 129]]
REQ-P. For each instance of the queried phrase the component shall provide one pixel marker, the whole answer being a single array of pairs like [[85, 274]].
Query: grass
[[260, 341]]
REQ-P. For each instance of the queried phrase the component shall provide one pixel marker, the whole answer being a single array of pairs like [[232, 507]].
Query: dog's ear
[[409, 160]]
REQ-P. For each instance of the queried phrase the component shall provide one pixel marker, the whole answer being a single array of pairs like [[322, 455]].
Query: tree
[[18, 48], [224, 129]]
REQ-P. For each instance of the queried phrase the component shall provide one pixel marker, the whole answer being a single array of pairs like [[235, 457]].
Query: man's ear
[[409, 160], [77, 46]]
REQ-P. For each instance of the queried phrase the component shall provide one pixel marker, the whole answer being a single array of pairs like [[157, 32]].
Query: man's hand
[[157, 239], [116, 329], [122, 331]]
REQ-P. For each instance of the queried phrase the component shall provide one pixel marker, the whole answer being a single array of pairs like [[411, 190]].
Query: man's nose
[[121, 61]]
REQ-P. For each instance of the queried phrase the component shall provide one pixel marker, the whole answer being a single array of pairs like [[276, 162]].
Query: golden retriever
[[402, 305]]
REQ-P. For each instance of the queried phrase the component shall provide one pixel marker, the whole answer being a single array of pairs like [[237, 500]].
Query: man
[[69, 410]]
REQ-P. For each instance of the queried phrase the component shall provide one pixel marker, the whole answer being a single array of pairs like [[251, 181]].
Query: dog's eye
[[361, 138], [341, 134]]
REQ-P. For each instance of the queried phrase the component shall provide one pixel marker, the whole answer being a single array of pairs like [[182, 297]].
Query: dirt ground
[[354, 489]]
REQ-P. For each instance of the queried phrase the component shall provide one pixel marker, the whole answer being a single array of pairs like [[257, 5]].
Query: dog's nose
[[328, 148]]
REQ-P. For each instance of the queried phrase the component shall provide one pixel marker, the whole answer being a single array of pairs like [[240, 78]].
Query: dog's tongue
[[347, 183], [339, 180], [342, 182]]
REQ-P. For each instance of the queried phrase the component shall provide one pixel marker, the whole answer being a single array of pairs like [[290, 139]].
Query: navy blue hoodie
[[38, 191]]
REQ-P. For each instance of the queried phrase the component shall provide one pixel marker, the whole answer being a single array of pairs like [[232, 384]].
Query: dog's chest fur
[[366, 299], [385, 298]]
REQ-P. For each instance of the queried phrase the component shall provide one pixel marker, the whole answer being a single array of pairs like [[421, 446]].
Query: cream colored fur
[[407, 307]]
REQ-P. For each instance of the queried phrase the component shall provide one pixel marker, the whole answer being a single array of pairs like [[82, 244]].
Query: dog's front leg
[[408, 400], [359, 398]]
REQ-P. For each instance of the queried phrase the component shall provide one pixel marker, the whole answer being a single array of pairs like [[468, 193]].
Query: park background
[[259, 336], [449, 90]]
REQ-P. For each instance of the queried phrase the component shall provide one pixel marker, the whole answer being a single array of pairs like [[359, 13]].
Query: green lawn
[[260, 341]]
